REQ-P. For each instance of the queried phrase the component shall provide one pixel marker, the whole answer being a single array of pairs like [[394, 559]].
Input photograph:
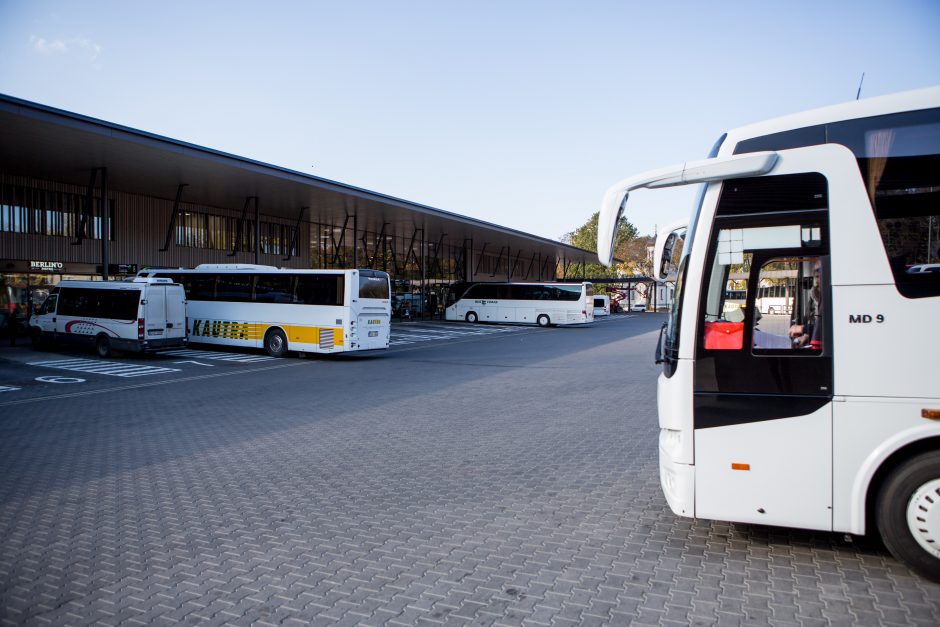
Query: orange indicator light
[[933, 414], [740, 466]]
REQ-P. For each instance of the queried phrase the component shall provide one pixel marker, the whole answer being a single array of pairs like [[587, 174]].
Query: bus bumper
[[677, 480]]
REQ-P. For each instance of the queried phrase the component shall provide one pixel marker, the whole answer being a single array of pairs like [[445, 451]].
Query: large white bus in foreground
[[543, 304], [832, 420], [308, 311]]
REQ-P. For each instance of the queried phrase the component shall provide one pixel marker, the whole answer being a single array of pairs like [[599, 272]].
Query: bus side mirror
[[668, 249]]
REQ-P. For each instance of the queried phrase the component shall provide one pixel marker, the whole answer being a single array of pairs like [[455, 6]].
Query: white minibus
[[601, 305], [827, 417], [139, 315]]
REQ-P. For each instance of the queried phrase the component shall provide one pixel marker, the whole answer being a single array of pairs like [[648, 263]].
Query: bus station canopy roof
[[47, 143]]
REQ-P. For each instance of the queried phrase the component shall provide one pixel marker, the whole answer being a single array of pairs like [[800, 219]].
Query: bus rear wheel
[[908, 514], [543, 320], [103, 347], [275, 343], [472, 317]]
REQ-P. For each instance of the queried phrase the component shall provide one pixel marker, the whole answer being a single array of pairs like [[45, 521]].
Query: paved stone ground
[[507, 480]]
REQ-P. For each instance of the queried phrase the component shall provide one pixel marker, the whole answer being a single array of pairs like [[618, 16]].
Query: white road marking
[[246, 358], [108, 368]]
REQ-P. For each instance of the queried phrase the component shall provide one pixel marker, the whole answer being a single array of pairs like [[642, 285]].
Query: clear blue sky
[[518, 113]]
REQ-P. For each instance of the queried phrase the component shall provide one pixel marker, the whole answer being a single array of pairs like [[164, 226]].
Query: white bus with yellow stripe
[[307, 311]]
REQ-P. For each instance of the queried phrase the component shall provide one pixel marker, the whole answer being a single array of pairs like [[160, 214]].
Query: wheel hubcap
[[923, 517]]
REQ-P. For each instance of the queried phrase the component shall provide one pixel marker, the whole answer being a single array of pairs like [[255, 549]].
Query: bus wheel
[[543, 320], [275, 343], [472, 317], [36, 337], [908, 514], [103, 346]]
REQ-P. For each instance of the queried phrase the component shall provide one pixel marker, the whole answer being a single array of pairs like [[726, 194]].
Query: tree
[[628, 246]]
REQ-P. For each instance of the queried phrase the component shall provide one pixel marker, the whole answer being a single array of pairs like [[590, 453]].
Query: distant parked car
[[638, 307]]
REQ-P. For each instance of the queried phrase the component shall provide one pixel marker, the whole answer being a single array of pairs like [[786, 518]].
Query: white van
[[140, 315], [601, 305]]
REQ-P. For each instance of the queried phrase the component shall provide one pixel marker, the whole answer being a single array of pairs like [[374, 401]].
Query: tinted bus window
[[320, 289], [275, 288], [235, 288], [90, 303], [199, 287], [76, 302], [118, 304], [566, 292]]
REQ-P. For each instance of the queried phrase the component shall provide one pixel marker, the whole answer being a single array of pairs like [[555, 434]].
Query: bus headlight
[[670, 440]]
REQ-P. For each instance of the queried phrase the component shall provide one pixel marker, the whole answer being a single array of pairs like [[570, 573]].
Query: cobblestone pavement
[[509, 480]]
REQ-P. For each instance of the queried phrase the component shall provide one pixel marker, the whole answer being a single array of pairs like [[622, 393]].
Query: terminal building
[[84, 198]]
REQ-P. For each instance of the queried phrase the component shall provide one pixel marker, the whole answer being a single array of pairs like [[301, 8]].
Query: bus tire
[[36, 338], [908, 514], [275, 343], [103, 346], [543, 320], [472, 317]]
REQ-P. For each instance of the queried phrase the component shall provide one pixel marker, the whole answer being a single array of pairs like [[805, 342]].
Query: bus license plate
[[373, 333]]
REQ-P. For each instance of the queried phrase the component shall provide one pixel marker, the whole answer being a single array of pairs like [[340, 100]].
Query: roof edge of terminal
[[35, 109]]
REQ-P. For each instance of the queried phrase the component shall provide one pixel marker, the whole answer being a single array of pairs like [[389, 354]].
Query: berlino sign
[[47, 266]]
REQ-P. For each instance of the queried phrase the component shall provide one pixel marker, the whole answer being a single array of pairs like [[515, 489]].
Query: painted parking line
[[8, 388], [189, 353], [414, 334], [106, 368]]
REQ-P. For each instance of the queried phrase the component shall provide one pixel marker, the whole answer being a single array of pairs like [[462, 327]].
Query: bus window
[[801, 279], [373, 286]]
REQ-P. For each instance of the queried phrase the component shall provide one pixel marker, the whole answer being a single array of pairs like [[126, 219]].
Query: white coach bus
[[543, 304], [832, 420], [308, 311]]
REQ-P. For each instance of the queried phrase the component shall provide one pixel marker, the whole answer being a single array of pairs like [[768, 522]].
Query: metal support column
[[424, 274], [173, 216], [355, 263], [81, 229], [105, 225], [480, 262], [295, 243], [257, 232], [238, 229]]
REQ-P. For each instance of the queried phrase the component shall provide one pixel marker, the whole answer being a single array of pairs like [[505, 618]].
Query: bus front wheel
[[275, 343], [472, 317], [543, 320], [908, 514]]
